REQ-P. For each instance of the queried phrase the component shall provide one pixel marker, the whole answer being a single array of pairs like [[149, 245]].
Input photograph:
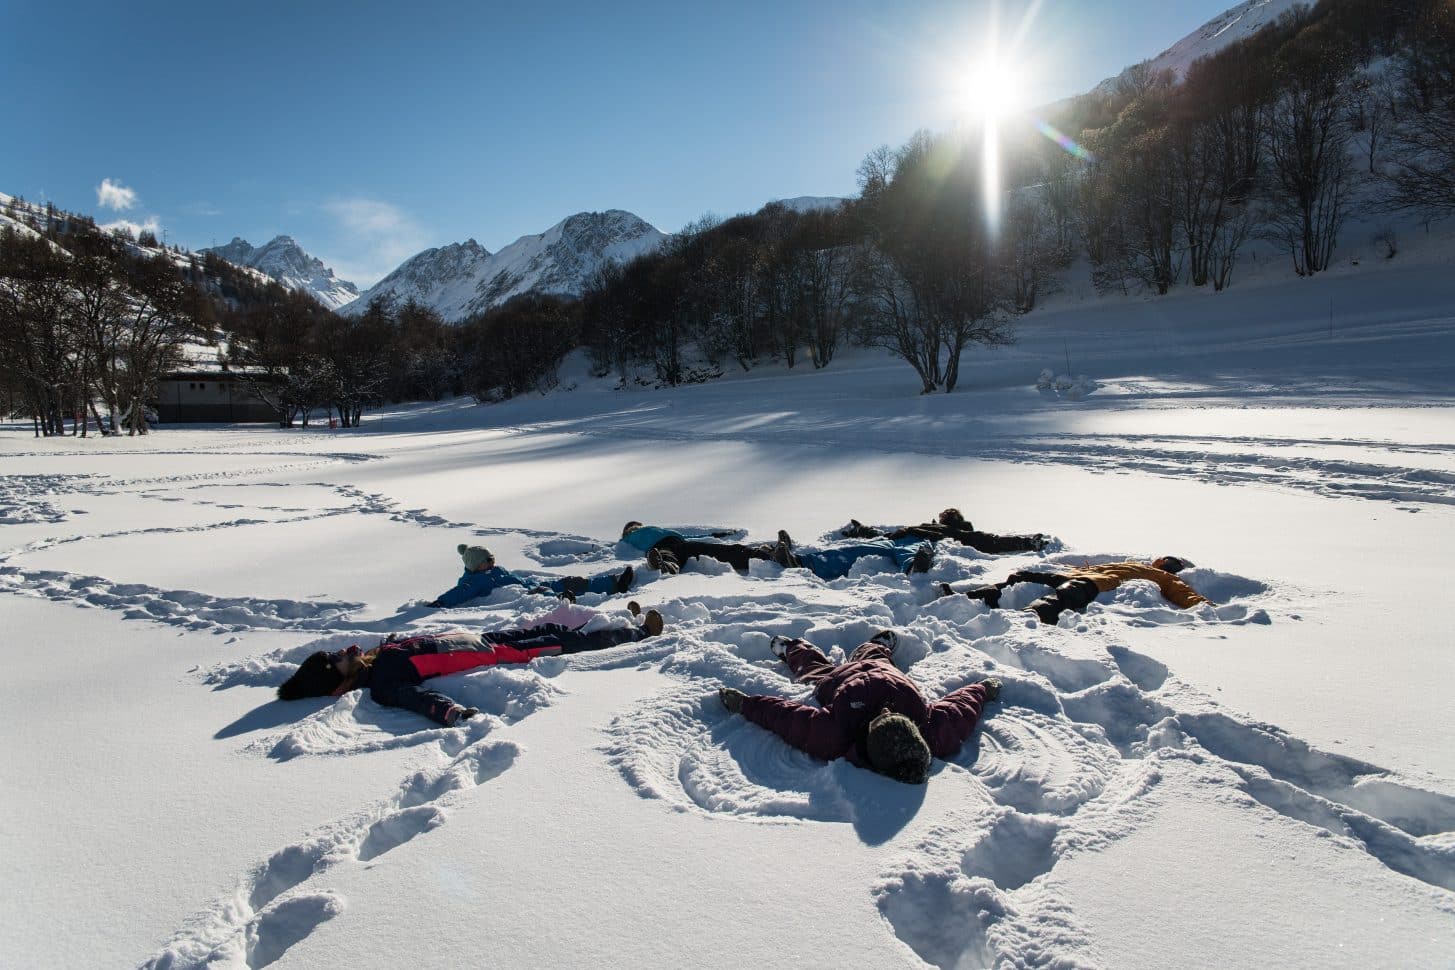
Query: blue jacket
[[474, 585], [646, 536], [836, 561]]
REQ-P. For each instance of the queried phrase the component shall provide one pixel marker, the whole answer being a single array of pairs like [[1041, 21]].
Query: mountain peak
[[461, 280], [285, 261]]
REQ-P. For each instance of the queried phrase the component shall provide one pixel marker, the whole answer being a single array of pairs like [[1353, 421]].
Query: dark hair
[[316, 676], [951, 516], [626, 530], [1170, 564]]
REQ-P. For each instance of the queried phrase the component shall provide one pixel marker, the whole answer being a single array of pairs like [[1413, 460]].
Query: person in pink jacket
[[869, 711]]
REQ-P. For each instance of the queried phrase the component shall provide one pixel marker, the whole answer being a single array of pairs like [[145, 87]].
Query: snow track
[[1071, 760]]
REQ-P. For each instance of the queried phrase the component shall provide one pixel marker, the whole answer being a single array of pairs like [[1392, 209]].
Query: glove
[[731, 699]]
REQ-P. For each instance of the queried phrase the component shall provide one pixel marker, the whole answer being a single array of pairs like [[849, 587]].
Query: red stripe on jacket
[[442, 664]]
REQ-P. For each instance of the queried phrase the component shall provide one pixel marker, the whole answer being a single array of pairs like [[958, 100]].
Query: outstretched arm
[[809, 729], [953, 718]]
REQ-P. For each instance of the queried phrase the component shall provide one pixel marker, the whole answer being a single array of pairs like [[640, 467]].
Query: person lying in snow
[[1075, 587], [669, 549], [869, 711], [834, 562], [482, 577], [950, 525], [395, 671]]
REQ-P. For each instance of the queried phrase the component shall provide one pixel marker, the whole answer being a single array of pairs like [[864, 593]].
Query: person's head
[[896, 749], [477, 558], [1171, 564], [629, 528], [321, 674], [951, 517]]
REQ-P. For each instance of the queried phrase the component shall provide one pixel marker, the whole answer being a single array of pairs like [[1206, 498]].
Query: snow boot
[[624, 581], [634, 608], [989, 595], [663, 562], [888, 638], [653, 623], [783, 555]]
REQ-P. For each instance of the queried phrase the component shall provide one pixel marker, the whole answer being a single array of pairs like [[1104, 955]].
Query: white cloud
[[373, 238], [151, 225], [114, 195]]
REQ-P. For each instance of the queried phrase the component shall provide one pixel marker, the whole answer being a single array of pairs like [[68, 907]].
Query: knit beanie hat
[[896, 749], [474, 556], [315, 677]]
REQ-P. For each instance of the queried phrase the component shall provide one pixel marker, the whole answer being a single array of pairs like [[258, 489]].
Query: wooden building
[[217, 396]]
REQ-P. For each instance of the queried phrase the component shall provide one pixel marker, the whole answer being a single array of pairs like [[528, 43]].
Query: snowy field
[[1268, 780]]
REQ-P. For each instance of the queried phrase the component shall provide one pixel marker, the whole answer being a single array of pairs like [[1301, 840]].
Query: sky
[[370, 131]]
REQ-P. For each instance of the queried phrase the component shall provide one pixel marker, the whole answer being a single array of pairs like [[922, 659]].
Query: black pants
[[1067, 593], [734, 554]]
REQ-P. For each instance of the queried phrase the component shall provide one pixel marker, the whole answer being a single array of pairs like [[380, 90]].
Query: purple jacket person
[[869, 711]]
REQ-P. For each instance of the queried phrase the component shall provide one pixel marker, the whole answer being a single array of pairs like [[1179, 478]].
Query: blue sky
[[371, 131]]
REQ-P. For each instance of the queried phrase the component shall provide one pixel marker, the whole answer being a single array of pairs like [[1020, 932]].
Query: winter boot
[[663, 562], [858, 530], [888, 638], [624, 581], [783, 555], [634, 608], [456, 714], [989, 595], [653, 623]]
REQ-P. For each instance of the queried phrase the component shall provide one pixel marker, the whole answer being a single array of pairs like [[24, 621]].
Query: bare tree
[[1308, 150]]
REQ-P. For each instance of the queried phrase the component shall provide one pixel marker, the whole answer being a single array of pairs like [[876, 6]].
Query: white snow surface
[[1267, 780], [464, 279], [283, 260]]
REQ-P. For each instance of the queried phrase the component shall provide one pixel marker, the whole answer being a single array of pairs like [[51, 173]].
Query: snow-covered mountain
[[285, 261], [1230, 26], [811, 203], [464, 279]]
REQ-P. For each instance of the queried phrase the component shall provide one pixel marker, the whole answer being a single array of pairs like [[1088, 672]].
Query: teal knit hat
[[474, 556]]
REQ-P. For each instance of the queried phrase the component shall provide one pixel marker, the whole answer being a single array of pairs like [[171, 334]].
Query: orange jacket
[[1110, 575]]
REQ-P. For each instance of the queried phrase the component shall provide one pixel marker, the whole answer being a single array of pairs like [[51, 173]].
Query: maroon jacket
[[854, 693]]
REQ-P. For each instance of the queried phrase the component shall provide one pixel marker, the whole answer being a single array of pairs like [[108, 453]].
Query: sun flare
[[991, 89]]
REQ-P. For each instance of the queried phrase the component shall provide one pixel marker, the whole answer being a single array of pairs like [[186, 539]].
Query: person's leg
[[734, 554], [1074, 594], [513, 637], [990, 595], [992, 543], [607, 583], [558, 639], [873, 650], [806, 662]]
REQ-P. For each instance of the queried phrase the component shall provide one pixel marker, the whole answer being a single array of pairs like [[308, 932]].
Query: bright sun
[[991, 89]]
